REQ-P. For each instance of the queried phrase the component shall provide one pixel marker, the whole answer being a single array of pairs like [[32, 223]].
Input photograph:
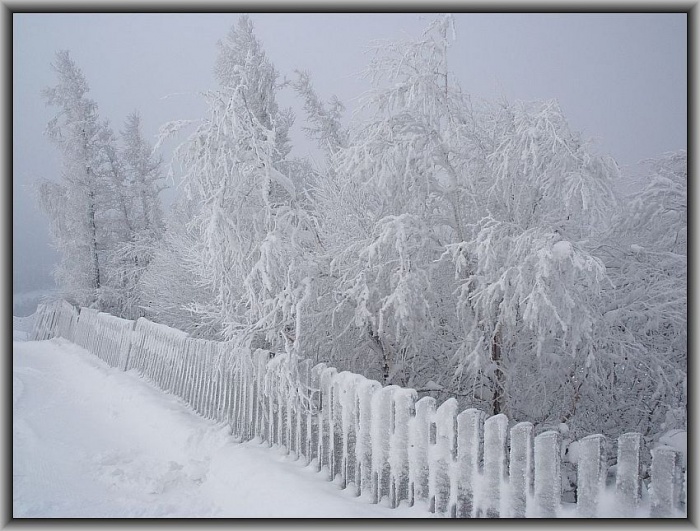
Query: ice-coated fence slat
[[495, 441], [380, 426], [404, 404], [666, 485], [441, 457], [470, 436], [365, 392], [304, 405], [39, 329], [314, 416], [247, 413], [260, 401], [271, 391], [419, 442], [592, 471], [325, 438], [521, 468], [548, 474], [345, 426], [628, 481], [290, 406]]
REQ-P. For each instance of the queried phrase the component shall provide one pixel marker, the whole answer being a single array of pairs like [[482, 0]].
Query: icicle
[[548, 474], [592, 471]]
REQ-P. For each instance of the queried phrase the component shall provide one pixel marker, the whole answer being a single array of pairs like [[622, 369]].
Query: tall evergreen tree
[[75, 204]]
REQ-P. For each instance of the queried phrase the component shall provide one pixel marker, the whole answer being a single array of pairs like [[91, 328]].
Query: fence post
[[325, 424], [37, 327], [495, 440], [271, 391], [366, 389], [381, 427], [345, 420], [591, 472], [403, 410], [248, 395], [419, 442], [290, 406], [470, 435], [441, 456], [548, 473], [314, 416], [520, 468], [222, 371], [126, 345], [627, 482], [260, 359], [665, 482], [303, 406]]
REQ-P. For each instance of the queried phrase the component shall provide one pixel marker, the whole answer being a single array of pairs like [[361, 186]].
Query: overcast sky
[[620, 79]]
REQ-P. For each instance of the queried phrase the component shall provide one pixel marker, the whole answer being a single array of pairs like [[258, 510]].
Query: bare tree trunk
[[498, 403], [378, 347], [93, 242]]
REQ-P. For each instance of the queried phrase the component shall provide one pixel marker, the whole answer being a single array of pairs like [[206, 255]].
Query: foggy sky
[[619, 78]]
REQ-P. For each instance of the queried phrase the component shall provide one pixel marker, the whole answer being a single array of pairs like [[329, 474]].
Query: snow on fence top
[[380, 442]]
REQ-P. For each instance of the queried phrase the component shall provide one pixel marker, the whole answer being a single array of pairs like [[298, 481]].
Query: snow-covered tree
[[384, 205], [532, 289], [167, 290], [138, 182], [324, 120], [645, 326], [144, 174], [77, 204], [248, 225]]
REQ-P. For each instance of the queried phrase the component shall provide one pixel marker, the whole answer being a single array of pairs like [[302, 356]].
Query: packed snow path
[[93, 441]]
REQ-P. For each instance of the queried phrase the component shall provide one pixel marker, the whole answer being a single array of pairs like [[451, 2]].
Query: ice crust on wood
[[441, 456], [628, 482], [666, 485], [521, 468], [495, 440], [548, 473], [366, 389], [403, 409], [380, 422], [418, 447]]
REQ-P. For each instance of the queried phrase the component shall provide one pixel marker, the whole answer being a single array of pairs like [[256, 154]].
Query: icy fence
[[383, 443]]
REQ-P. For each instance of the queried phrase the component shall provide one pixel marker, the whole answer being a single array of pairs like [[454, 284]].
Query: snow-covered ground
[[93, 441]]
